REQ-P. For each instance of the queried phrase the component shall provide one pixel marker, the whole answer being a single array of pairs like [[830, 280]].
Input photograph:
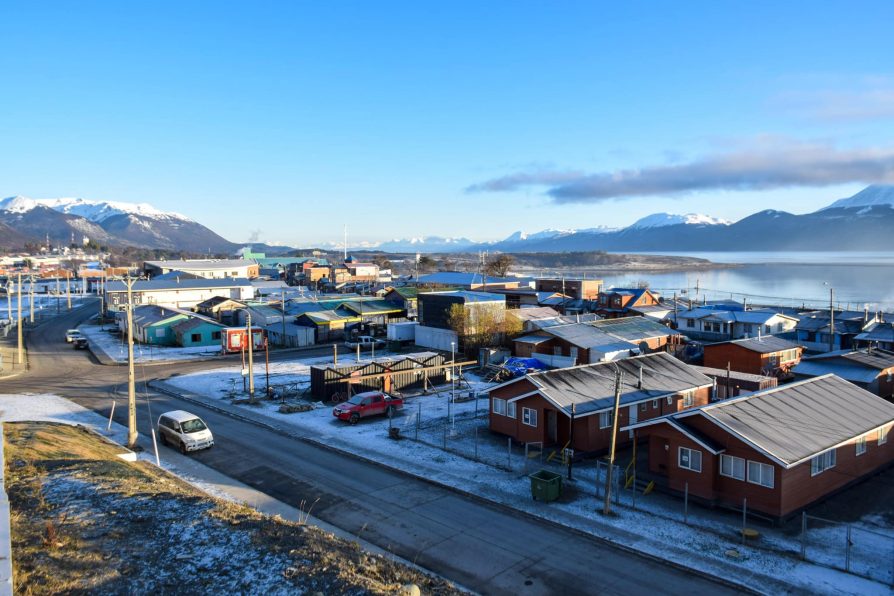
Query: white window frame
[[605, 419], [765, 474], [499, 406], [688, 399], [733, 460], [883, 435], [654, 404], [643, 406], [860, 445], [511, 410], [670, 400], [690, 466], [822, 462], [529, 417]]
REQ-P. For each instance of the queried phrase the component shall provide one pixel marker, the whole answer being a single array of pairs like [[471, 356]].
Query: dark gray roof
[[633, 329], [876, 359], [591, 388], [878, 332], [721, 372], [795, 422], [766, 344]]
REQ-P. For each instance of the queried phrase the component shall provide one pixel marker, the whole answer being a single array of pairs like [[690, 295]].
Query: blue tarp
[[520, 366]]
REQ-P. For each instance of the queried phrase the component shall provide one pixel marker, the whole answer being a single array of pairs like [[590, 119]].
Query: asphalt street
[[484, 547]]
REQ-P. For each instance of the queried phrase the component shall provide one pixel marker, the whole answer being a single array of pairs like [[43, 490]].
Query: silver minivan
[[185, 431]]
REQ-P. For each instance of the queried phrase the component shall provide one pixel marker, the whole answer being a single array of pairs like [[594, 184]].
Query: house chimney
[[759, 338], [745, 303], [865, 315]]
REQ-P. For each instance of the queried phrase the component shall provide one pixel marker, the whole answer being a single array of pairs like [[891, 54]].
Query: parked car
[[366, 342], [186, 431], [80, 343], [71, 335], [369, 403]]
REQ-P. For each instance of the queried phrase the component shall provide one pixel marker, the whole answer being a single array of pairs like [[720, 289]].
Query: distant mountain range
[[864, 221]]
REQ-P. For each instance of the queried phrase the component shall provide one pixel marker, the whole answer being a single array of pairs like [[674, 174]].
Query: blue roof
[[468, 296]]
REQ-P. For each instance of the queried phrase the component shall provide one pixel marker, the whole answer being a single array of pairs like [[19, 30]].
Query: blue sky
[[452, 118]]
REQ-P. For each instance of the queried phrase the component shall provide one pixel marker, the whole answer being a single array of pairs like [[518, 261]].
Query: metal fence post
[[847, 551], [803, 535], [418, 419], [686, 503], [634, 487]]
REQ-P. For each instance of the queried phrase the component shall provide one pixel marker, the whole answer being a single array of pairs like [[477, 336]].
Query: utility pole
[[31, 299], [68, 288], [21, 345], [131, 381], [607, 506], [283, 319], [9, 287], [57, 292], [831, 320], [251, 353]]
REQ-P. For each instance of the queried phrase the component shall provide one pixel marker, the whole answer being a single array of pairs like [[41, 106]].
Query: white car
[[71, 335], [184, 430]]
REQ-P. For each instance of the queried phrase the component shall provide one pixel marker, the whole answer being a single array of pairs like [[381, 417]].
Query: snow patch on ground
[[114, 346]]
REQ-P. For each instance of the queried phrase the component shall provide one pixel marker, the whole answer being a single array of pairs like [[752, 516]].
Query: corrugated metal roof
[[591, 387], [459, 278], [766, 344], [878, 332], [634, 329], [533, 339], [581, 335], [194, 322], [372, 307], [795, 422], [721, 372], [202, 264], [876, 359], [849, 372]]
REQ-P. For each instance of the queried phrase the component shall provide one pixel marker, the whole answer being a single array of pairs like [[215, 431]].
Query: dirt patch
[[84, 520]]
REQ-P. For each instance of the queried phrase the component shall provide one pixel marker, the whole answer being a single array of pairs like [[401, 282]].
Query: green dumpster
[[546, 485]]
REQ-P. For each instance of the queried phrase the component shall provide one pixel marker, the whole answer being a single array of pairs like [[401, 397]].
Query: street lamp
[[452, 387], [831, 316]]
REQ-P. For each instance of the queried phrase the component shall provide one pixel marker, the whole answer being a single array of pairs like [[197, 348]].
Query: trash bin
[[545, 485]]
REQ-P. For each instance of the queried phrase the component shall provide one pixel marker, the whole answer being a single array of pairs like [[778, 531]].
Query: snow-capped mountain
[[871, 196], [658, 220], [95, 211], [426, 244], [107, 223]]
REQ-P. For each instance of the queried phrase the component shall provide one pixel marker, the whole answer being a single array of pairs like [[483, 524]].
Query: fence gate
[[854, 549]]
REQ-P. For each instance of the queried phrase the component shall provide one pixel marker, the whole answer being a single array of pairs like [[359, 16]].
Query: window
[[499, 406], [195, 337], [768, 329], [670, 400], [861, 445], [557, 351], [529, 417], [605, 419], [822, 462], [510, 409], [690, 323], [747, 328], [759, 473], [642, 407], [654, 404], [883, 435], [778, 327], [690, 459], [687, 399], [159, 333], [733, 467], [215, 335]]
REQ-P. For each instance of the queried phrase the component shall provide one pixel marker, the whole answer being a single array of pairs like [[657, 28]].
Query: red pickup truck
[[370, 403]]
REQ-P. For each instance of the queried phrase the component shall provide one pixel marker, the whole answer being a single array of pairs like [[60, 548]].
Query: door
[[633, 417], [551, 426], [574, 354]]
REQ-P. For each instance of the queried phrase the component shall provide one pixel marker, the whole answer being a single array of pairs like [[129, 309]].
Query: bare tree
[[499, 265]]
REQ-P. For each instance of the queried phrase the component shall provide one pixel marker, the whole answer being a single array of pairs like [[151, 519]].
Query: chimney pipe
[[759, 333]]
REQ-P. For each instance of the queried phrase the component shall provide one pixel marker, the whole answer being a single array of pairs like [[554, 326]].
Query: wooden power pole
[[607, 506], [251, 360], [21, 344]]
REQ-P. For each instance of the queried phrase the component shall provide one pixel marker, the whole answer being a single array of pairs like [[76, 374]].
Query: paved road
[[480, 546]]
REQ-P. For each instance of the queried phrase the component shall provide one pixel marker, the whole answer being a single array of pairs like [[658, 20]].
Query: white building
[[183, 294], [207, 268]]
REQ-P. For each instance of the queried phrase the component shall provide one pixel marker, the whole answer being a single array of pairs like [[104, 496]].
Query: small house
[[765, 355], [872, 370], [617, 302], [781, 449], [574, 406], [198, 331]]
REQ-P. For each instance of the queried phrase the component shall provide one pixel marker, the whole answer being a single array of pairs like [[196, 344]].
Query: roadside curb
[[778, 586]]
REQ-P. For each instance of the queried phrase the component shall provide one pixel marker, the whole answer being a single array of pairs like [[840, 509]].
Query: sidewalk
[[433, 468], [8, 347]]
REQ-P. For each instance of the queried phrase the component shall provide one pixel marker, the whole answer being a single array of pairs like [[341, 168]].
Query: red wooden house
[[781, 449], [765, 355], [618, 302], [573, 406]]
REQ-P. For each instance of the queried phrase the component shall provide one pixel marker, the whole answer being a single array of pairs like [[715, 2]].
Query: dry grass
[[85, 520]]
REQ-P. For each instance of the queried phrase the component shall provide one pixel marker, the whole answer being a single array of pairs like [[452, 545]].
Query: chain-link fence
[[851, 548]]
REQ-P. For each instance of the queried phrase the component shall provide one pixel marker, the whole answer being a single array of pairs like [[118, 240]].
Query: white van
[[184, 430]]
